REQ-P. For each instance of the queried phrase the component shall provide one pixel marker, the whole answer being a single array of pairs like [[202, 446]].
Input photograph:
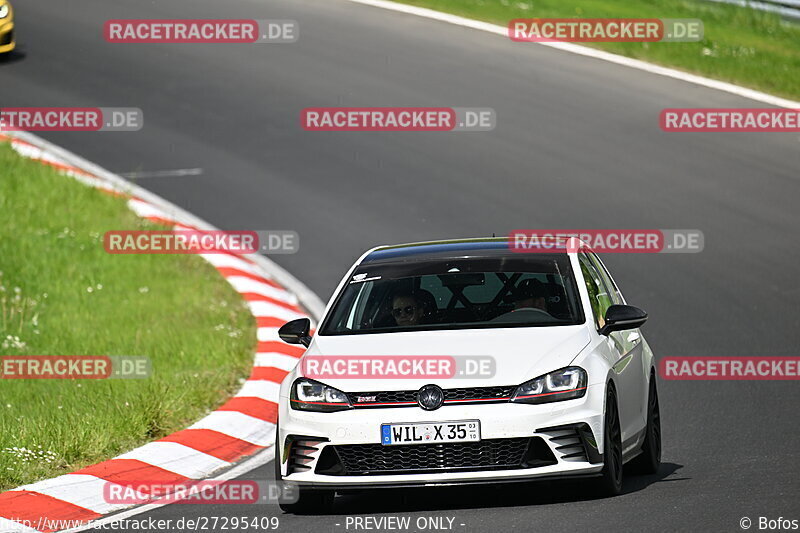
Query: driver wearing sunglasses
[[406, 309]]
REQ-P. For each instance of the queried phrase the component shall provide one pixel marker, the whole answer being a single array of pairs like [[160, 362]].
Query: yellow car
[[6, 27]]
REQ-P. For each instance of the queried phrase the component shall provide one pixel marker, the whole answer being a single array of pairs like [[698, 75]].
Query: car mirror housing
[[622, 317], [296, 332]]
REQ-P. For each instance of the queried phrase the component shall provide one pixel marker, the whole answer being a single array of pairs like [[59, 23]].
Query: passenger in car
[[410, 308], [406, 309], [530, 294]]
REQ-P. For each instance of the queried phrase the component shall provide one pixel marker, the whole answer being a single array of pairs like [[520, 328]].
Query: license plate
[[431, 432]]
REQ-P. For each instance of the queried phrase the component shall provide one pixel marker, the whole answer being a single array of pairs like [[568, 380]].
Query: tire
[[649, 461], [610, 481], [277, 459]]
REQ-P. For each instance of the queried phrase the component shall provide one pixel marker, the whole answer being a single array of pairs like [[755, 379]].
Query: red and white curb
[[244, 426]]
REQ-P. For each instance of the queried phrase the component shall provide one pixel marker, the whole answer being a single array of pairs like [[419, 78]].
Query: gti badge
[[430, 397]]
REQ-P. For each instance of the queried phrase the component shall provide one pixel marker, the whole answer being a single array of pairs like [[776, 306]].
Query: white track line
[[240, 426], [80, 490], [243, 284], [260, 388], [266, 309], [162, 173], [145, 209], [276, 360], [267, 334], [177, 458], [588, 52], [229, 261]]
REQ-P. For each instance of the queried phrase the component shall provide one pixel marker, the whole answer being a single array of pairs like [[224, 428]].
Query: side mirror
[[622, 317], [296, 332]]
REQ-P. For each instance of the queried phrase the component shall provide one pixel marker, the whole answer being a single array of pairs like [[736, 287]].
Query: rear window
[[457, 294]]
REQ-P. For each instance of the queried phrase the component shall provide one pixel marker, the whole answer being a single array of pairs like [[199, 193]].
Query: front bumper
[[7, 40], [569, 433]]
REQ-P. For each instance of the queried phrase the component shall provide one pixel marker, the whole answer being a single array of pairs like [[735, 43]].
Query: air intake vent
[[573, 442], [568, 445], [302, 453]]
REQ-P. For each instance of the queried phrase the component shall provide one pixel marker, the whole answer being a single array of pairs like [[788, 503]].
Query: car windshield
[[457, 294]]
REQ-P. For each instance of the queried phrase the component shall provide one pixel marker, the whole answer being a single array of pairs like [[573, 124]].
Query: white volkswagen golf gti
[[571, 392]]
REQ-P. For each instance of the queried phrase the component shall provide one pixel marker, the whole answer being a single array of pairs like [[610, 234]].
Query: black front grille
[[479, 393], [491, 454], [407, 398], [7, 38], [398, 396]]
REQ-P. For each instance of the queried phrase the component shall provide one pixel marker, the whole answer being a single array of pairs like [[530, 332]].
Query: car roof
[[446, 249]]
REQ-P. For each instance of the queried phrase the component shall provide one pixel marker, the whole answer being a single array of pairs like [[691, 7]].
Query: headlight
[[310, 395], [3, 11], [565, 384]]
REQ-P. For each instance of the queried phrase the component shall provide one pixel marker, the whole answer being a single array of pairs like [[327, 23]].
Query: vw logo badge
[[430, 397]]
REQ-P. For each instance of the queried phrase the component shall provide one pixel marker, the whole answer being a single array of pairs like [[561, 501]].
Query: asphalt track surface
[[577, 145]]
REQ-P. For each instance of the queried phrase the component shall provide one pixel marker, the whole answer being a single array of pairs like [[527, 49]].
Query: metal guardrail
[[785, 8]]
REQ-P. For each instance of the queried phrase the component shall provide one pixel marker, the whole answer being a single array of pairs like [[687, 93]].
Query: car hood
[[519, 354]]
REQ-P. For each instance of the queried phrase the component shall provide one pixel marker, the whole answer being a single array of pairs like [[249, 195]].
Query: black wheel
[[649, 460], [310, 502], [610, 482]]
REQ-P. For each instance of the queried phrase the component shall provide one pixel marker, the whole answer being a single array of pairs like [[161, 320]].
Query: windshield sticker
[[361, 278]]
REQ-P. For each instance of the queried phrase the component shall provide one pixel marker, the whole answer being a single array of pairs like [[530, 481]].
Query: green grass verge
[[743, 46], [62, 294]]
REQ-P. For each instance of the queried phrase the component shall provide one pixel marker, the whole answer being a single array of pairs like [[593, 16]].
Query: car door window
[[611, 288], [599, 297]]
